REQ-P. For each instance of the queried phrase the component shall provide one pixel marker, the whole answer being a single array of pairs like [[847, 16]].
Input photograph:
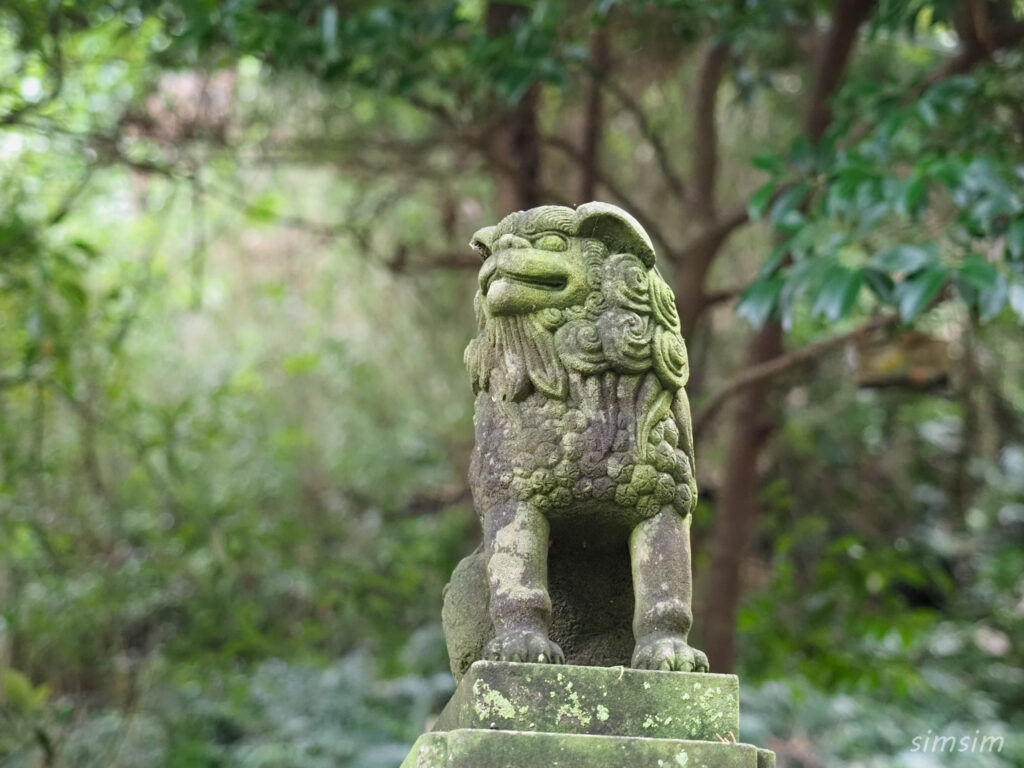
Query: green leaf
[[767, 161], [967, 292], [85, 247], [758, 300], [774, 259], [801, 154], [913, 198], [300, 363], [881, 285], [915, 293], [979, 273], [788, 202], [19, 693], [838, 292], [905, 258], [1015, 239], [992, 300], [759, 201], [264, 209], [801, 278], [981, 175], [1016, 295], [926, 111]]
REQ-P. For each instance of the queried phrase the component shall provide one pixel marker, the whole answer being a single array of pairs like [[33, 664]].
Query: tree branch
[[984, 28], [779, 365], [833, 56], [652, 227], [705, 129], [632, 106], [399, 263], [705, 246]]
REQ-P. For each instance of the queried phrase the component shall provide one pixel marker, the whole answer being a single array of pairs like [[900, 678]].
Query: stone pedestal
[[506, 715]]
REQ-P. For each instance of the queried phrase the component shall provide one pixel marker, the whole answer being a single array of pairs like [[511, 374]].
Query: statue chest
[[566, 456]]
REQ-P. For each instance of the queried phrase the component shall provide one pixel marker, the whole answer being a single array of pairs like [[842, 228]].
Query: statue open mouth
[[544, 282], [522, 280]]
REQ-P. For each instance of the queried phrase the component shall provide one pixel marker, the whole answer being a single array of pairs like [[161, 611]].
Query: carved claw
[[668, 652], [524, 646]]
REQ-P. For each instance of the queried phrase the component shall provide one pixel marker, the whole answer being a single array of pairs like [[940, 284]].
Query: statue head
[[538, 259], [564, 291]]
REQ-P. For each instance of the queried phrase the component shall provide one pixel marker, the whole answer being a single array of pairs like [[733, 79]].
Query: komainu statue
[[582, 473]]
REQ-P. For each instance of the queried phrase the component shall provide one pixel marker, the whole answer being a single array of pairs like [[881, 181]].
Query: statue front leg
[[516, 535], [660, 554]]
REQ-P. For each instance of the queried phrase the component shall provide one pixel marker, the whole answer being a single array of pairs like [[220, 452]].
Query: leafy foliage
[[834, 204], [233, 419]]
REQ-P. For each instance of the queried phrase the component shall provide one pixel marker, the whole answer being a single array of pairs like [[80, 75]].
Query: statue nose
[[506, 242]]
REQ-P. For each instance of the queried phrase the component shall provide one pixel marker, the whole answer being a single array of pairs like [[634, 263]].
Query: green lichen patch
[[489, 703], [594, 700]]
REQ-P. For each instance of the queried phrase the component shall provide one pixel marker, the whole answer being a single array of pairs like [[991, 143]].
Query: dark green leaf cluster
[[914, 210]]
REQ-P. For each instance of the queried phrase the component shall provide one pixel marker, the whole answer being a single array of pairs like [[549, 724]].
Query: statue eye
[[551, 242]]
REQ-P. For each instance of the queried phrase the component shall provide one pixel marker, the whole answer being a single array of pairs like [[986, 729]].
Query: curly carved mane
[[628, 324]]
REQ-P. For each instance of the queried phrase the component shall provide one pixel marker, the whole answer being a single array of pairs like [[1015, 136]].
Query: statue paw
[[524, 646], [668, 652]]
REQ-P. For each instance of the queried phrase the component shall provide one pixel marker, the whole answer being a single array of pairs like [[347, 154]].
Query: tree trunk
[[736, 507], [514, 147], [593, 117]]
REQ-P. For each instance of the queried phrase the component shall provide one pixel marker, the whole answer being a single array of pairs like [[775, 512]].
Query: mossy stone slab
[[510, 749], [611, 701]]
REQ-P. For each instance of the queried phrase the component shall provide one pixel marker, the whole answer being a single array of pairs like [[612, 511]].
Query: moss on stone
[[595, 700]]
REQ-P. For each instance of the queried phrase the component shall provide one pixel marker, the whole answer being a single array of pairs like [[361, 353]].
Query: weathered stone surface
[[583, 469], [510, 749], [613, 701]]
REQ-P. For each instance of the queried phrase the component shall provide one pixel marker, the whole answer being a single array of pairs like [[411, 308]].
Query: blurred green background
[[235, 290]]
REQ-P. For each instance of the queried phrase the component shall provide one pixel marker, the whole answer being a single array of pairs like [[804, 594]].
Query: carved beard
[[522, 353]]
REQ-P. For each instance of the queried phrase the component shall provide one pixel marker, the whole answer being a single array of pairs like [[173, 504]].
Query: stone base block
[[506, 715], [607, 701]]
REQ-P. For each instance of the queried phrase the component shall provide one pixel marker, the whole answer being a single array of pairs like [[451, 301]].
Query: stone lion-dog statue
[[582, 473]]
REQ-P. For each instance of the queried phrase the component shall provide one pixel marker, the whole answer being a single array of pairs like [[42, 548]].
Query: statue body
[[582, 472]]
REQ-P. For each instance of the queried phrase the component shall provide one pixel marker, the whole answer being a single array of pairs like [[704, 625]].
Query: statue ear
[[483, 241], [616, 229]]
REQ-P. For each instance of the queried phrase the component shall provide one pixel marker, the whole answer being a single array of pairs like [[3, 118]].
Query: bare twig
[[632, 106]]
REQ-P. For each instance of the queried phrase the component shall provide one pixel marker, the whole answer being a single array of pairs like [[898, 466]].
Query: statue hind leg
[[464, 615]]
